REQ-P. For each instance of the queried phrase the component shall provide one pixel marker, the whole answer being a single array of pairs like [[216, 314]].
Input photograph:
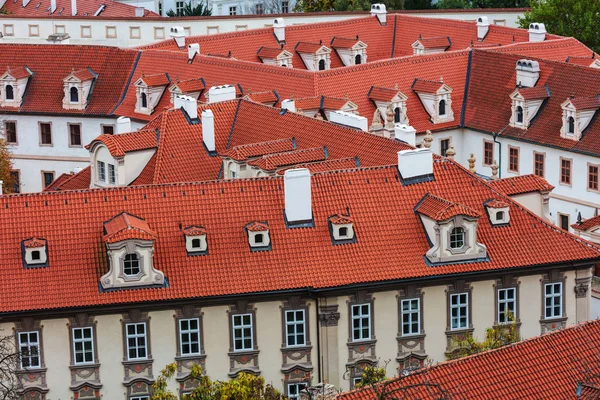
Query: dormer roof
[[378, 93], [339, 164], [34, 243], [273, 52], [311, 48], [427, 86], [440, 42], [125, 227], [272, 162], [194, 230], [584, 61], [496, 203], [269, 97], [123, 143], [256, 226], [584, 103], [17, 72], [189, 85], [340, 219], [154, 80], [534, 93], [244, 152], [83, 75], [521, 184], [346, 43], [439, 209]]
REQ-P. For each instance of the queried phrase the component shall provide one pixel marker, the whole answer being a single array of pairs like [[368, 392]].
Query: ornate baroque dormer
[[577, 113], [78, 86], [130, 251], [190, 87], [149, 90], [275, 56], [13, 84], [350, 51], [436, 97], [315, 56], [451, 230], [384, 98], [526, 102]]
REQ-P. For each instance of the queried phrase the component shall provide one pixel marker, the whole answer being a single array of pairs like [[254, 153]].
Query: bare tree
[[10, 383]]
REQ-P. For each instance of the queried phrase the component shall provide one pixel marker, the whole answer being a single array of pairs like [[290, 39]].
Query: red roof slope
[[246, 151], [439, 209], [327, 165], [587, 224], [273, 161], [521, 184], [435, 42], [86, 8], [123, 143], [72, 223], [556, 49], [80, 180], [125, 226], [550, 366], [51, 64]]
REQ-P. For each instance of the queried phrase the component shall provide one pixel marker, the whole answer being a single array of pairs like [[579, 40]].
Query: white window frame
[[112, 174], [458, 306], [83, 340], [140, 398], [30, 344], [506, 301], [554, 295], [298, 327], [189, 332], [410, 312], [101, 165], [136, 336], [361, 317], [298, 387], [240, 328]]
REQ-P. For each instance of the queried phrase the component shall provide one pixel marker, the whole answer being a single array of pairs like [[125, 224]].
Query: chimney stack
[[298, 200], [349, 119], [139, 12], [528, 73], [73, 7], [178, 34], [221, 93], [123, 125], [193, 50], [483, 26], [2, 3], [413, 164], [25, 2], [190, 105], [537, 32], [1, 188], [208, 130], [406, 133], [289, 104], [279, 30], [52, 6], [379, 11]]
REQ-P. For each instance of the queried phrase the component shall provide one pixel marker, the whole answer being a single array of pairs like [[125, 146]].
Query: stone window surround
[[102, 126], [361, 351], [410, 347], [159, 32], [60, 29], [570, 160], [295, 303], [82, 320], [449, 139], [493, 151], [296, 360], [507, 281], [543, 154], [88, 373], [135, 32], [457, 287], [16, 133], [548, 324], [111, 32], [131, 248], [361, 297], [185, 362], [244, 356], [587, 184], [133, 369], [134, 317], [40, 123], [33, 379], [8, 29], [34, 30], [69, 124], [47, 172], [84, 29]]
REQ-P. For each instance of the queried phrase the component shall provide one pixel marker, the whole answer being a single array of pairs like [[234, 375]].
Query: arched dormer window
[[457, 238], [10, 92], [143, 100], [442, 107], [519, 115], [357, 59], [74, 95], [321, 65], [397, 115], [284, 65], [131, 264], [570, 125]]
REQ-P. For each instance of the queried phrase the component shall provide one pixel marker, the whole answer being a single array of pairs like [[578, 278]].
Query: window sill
[[296, 348], [187, 357], [414, 336], [138, 361], [361, 342], [84, 366], [22, 371], [243, 352]]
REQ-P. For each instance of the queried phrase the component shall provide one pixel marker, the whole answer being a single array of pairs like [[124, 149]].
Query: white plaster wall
[[569, 293], [531, 201], [434, 321], [31, 171], [530, 305], [55, 336], [269, 339], [343, 337], [110, 355], [163, 342], [386, 330], [216, 342], [482, 307], [135, 162]]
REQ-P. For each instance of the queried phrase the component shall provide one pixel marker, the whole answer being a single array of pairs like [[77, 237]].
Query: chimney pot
[[123, 125], [177, 33], [297, 192], [378, 10], [349, 119], [279, 29], [406, 133], [415, 163], [483, 26], [193, 50], [208, 130], [537, 32]]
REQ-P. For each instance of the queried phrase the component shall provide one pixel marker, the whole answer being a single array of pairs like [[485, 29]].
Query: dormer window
[[436, 97], [275, 56], [341, 228], [431, 45], [321, 65], [74, 93], [149, 91], [34, 252], [519, 117], [526, 102], [195, 240], [350, 51], [578, 113], [10, 93], [570, 125], [457, 238], [131, 264], [357, 59], [143, 100], [259, 239], [13, 84], [390, 97], [315, 56], [77, 89], [258, 236], [498, 212], [442, 108], [36, 255]]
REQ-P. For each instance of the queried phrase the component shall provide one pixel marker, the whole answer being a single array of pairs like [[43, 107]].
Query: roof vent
[[258, 236], [483, 26], [379, 11], [298, 199], [178, 34], [406, 133], [221, 93], [289, 104], [415, 166], [349, 119], [537, 32], [123, 125], [193, 51], [208, 130], [34, 252], [528, 73], [279, 29]]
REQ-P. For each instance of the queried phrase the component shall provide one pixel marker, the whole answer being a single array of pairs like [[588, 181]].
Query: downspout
[[495, 135], [319, 356]]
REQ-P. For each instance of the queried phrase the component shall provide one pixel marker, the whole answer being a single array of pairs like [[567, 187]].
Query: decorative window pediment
[[577, 113], [385, 98], [130, 247], [78, 86], [436, 98], [526, 102], [451, 229], [498, 212], [431, 45], [190, 87], [350, 51], [341, 229], [258, 236], [195, 240], [315, 56], [12, 86], [34, 252], [149, 90], [275, 56]]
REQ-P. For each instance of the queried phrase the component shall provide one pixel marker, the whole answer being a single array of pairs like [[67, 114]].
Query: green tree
[[454, 4], [577, 18], [371, 375], [201, 10], [7, 178], [417, 4]]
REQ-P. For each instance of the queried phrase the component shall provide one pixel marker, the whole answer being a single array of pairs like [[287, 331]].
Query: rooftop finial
[[427, 139], [450, 153], [494, 168], [471, 160]]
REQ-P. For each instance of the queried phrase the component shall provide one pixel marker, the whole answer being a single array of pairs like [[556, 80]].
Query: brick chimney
[[279, 30], [298, 200], [483, 26], [537, 32], [208, 130], [528, 73]]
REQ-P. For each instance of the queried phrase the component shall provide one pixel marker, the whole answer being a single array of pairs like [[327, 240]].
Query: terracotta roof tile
[[586, 103], [256, 226], [495, 203], [587, 224], [244, 152], [88, 8], [34, 243], [269, 97], [191, 85], [382, 94], [123, 143], [584, 61], [269, 52], [156, 80], [327, 165], [84, 74], [273, 161], [435, 42], [194, 230], [555, 49], [340, 219], [305, 47], [425, 86], [320, 103], [79, 180], [534, 93], [126, 226], [19, 72], [521, 184], [439, 209], [343, 43]]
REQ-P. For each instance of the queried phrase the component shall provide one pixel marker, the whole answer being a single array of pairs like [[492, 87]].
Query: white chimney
[[379, 11], [289, 105], [349, 119], [139, 12], [1, 187], [4, 1], [52, 6], [537, 32], [193, 50], [208, 129], [178, 34], [406, 133], [25, 2], [483, 25], [298, 200], [190, 105], [279, 29], [528, 73], [73, 7], [221, 93], [123, 125], [415, 163], [77, 170]]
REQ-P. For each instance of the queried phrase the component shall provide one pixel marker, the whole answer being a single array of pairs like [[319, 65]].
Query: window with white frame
[[83, 345], [293, 390], [242, 332], [457, 238], [29, 349], [137, 346], [553, 300], [112, 176], [459, 311], [101, 171], [411, 317], [295, 328], [233, 10], [131, 264], [179, 7], [189, 336], [361, 322], [140, 398], [356, 381], [507, 304]]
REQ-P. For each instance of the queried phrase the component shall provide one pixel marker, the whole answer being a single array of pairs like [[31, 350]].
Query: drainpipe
[[495, 135], [318, 340]]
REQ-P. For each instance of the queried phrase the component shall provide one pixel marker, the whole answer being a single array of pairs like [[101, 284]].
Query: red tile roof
[[19, 72], [495, 203], [339, 219], [73, 221], [88, 8], [123, 143], [155, 80], [306, 47], [244, 152], [584, 61], [535, 93], [586, 103], [320, 103], [272, 162], [435, 42], [256, 226], [425, 86], [587, 224], [550, 366], [34, 243], [521, 184], [269, 52], [84, 74], [269, 97], [382, 94], [439, 209], [191, 85], [194, 230], [72, 181], [126, 226], [327, 165], [343, 43], [557, 49]]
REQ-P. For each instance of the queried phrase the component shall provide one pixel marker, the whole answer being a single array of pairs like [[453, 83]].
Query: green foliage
[[481, 3], [201, 10], [454, 4], [417, 4], [345, 5], [371, 375], [495, 337], [577, 18], [352, 5], [243, 387], [8, 180]]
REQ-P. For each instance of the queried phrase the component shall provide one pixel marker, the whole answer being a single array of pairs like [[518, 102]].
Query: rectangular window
[[140, 398], [135, 32], [9, 30], [563, 221], [538, 164], [83, 345], [294, 389], [179, 7], [232, 10], [112, 177], [75, 135], [488, 152], [29, 348], [86, 31], [189, 336], [259, 9], [444, 146], [241, 27], [159, 33], [295, 328], [60, 29], [507, 300], [101, 171], [136, 341], [593, 177], [11, 132], [242, 332], [411, 317], [553, 300], [285, 7], [361, 322], [513, 159], [565, 171], [47, 178], [211, 30], [111, 32], [16, 175], [34, 30], [45, 133], [459, 311], [108, 129]]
